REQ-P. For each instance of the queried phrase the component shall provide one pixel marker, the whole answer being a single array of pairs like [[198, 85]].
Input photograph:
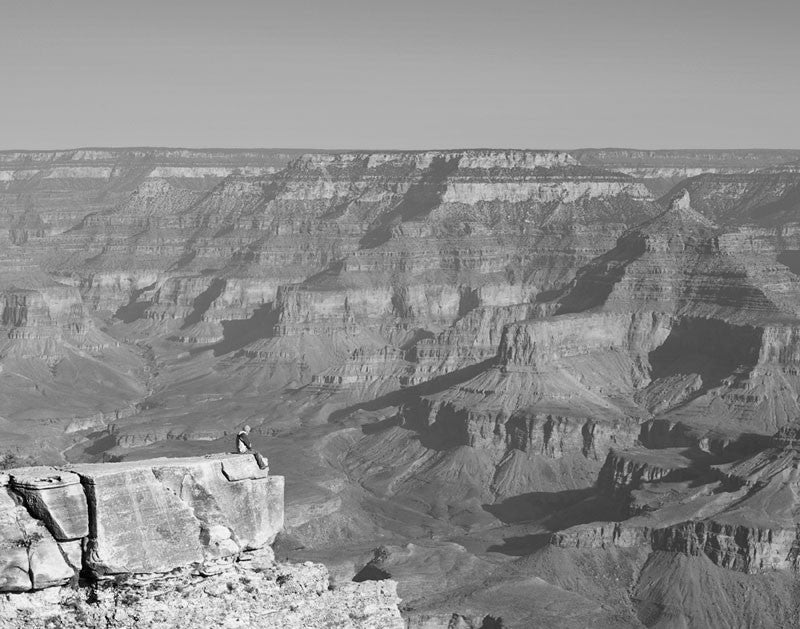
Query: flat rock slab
[[42, 477], [242, 467]]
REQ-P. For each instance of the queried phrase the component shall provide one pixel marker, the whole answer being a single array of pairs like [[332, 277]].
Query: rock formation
[[164, 541], [540, 363], [134, 518]]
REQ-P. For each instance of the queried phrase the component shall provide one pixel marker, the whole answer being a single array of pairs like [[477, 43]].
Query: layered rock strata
[[185, 253], [742, 516], [660, 170], [626, 470], [505, 318]]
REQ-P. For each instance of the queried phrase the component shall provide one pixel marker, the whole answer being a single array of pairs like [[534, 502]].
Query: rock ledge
[[133, 518]]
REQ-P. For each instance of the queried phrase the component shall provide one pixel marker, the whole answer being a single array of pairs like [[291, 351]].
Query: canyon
[[559, 388]]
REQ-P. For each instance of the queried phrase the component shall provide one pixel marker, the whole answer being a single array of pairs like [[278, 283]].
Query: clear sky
[[400, 73]]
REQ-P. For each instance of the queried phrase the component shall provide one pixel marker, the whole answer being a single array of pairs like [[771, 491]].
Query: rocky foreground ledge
[[254, 592], [142, 517], [164, 543]]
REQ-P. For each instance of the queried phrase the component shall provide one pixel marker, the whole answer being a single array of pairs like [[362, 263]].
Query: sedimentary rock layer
[[741, 516]]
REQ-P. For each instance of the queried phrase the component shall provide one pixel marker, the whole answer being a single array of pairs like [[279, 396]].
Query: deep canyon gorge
[[561, 388]]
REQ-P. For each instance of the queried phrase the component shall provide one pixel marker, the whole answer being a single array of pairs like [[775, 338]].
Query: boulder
[[56, 498], [29, 556]]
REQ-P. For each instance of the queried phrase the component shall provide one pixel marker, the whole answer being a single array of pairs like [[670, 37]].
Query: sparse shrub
[[35, 538], [283, 579], [25, 616], [55, 622], [128, 597], [75, 605], [9, 460], [381, 553]]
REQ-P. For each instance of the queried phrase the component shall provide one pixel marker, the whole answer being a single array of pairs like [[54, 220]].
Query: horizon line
[[388, 150]]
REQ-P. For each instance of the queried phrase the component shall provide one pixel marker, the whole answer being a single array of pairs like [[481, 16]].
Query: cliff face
[[741, 516], [324, 208], [334, 262], [767, 197], [664, 326], [177, 541], [134, 518]]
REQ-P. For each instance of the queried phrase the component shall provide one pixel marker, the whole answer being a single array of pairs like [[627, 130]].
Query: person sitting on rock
[[245, 446]]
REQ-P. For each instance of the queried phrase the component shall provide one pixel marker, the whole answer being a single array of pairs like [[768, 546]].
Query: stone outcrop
[[625, 470], [736, 547], [30, 557], [601, 535], [788, 436], [56, 498], [764, 198], [134, 518], [742, 516]]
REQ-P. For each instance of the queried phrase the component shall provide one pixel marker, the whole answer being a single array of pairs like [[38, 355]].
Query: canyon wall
[[434, 334]]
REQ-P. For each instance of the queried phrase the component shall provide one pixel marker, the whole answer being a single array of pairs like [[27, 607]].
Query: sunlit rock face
[[56, 498], [150, 516]]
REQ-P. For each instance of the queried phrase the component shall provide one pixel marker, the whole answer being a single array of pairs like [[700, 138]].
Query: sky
[[402, 74]]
